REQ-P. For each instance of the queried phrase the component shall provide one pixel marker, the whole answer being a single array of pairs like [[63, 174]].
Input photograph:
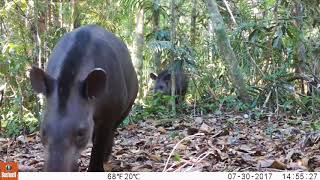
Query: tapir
[[89, 86], [163, 83]]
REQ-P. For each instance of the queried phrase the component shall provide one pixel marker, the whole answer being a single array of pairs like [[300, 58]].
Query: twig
[[191, 162], [277, 101], [198, 160], [230, 12], [175, 147], [267, 99]]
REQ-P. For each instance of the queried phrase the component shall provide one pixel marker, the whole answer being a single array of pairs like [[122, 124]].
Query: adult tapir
[[90, 86]]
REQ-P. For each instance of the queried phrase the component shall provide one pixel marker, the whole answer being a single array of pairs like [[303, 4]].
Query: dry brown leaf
[[132, 127], [313, 163], [272, 164], [192, 131], [293, 155], [155, 157], [205, 128], [23, 168], [142, 168], [181, 147], [297, 166], [247, 158], [303, 162], [121, 151], [245, 148], [198, 120], [33, 162], [162, 130]]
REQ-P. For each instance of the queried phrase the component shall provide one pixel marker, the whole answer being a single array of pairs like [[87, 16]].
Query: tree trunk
[[300, 51], [75, 16], [137, 52], [156, 28], [173, 54], [36, 36], [226, 51], [38, 56], [47, 25], [55, 15], [210, 41], [49, 15], [193, 23], [60, 13]]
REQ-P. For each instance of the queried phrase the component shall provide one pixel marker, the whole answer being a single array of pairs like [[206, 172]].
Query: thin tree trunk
[[210, 41], [47, 25], [38, 56], [75, 18], [193, 23], [37, 38], [156, 28], [173, 54], [138, 43], [55, 15], [300, 51], [227, 51], [60, 13], [49, 15]]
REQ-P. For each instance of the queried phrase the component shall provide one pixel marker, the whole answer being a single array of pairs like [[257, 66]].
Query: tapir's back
[[122, 57], [89, 47]]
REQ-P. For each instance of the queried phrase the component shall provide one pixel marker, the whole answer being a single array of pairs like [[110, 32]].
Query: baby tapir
[[163, 83], [90, 86]]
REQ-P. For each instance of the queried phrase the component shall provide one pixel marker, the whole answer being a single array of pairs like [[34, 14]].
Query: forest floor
[[216, 142]]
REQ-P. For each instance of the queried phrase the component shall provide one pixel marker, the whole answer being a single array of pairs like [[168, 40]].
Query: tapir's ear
[[153, 76], [40, 81], [95, 83]]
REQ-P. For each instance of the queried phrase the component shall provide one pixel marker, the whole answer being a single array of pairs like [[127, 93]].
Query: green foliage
[[177, 157], [155, 106], [315, 126], [175, 135]]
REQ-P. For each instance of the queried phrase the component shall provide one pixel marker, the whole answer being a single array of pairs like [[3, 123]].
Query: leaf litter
[[216, 142]]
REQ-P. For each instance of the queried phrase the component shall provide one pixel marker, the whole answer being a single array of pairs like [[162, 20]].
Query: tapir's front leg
[[102, 147]]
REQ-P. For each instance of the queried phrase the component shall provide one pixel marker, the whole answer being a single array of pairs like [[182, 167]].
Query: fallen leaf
[[272, 164], [245, 148], [205, 128], [155, 157], [198, 120], [23, 168], [181, 147], [192, 131], [296, 166], [21, 139], [247, 158], [162, 130]]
